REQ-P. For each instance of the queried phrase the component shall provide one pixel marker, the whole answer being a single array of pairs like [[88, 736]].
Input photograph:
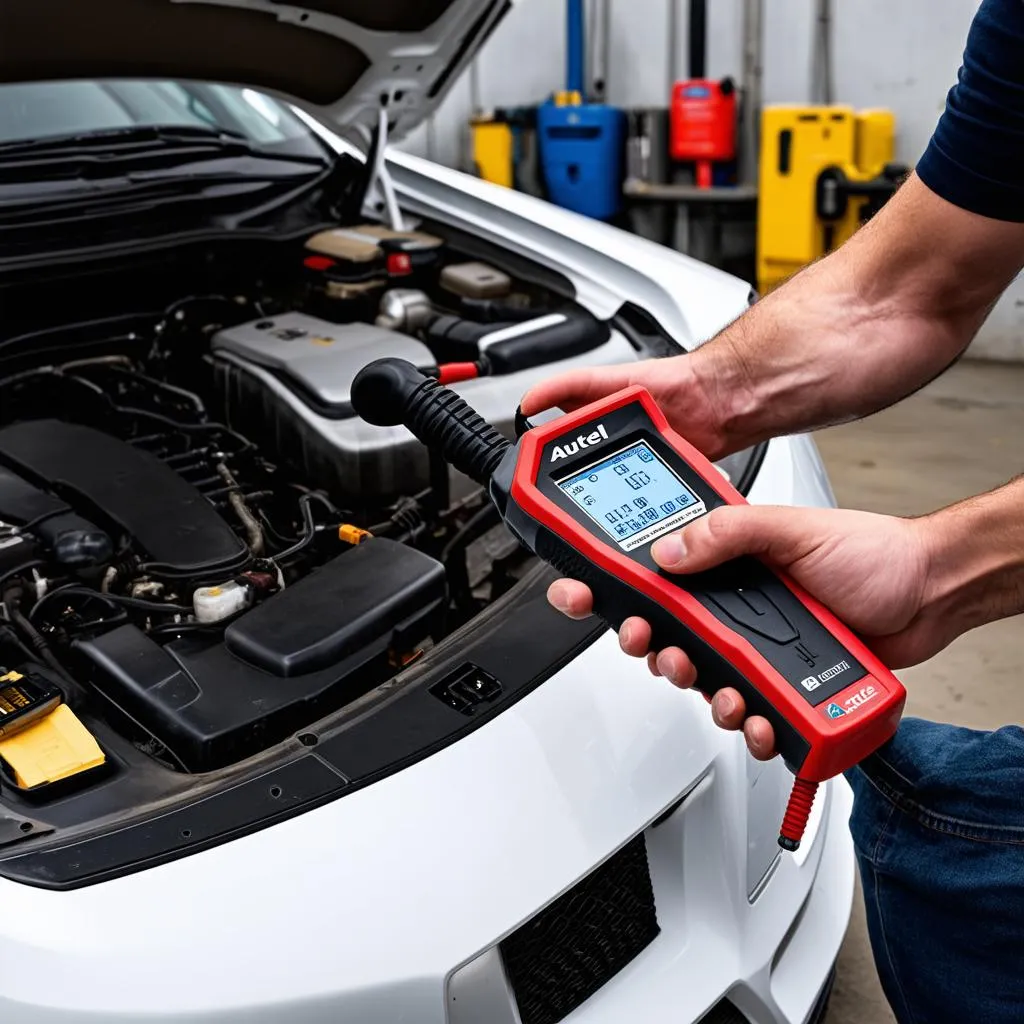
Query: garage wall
[[901, 54]]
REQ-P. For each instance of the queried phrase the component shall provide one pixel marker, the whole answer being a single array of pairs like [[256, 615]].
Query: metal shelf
[[689, 193]]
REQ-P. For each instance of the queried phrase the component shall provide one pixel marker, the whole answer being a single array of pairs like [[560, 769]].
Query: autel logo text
[[563, 451]]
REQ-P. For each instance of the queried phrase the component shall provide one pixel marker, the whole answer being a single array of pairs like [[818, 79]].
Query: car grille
[[564, 954], [723, 1013]]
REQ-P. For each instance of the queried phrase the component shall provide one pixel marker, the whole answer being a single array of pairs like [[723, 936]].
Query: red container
[[703, 124]]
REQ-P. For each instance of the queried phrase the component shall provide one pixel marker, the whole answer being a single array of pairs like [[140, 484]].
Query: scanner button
[[753, 609]]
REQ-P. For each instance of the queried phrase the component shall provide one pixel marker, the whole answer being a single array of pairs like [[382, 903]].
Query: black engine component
[[354, 602], [210, 704], [128, 490], [72, 541], [507, 347]]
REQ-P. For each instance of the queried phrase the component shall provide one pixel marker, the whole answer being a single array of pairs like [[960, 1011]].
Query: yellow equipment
[[54, 748], [493, 156], [824, 171]]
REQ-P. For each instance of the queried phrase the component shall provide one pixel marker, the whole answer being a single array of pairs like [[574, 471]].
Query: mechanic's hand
[[872, 571], [685, 395]]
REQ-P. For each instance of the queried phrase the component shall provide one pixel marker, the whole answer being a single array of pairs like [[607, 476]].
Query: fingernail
[[625, 633], [665, 667], [669, 550], [560, 599], [726, 705]]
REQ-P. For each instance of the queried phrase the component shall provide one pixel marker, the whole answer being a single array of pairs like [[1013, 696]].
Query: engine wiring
[[208, 462], [148, 380], [150, 607]]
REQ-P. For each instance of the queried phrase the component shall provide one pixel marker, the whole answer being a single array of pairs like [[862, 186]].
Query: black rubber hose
[[454, 554], [389, 392], [11, 599], [308, 531]]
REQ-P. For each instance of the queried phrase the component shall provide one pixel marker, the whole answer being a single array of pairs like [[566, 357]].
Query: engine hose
[[195, 570], [453, 555], [185, 428], [503, 348], [37, 643], [109, 579], [253, 530], [36, 563], [491, 311], [141, 604], [408, 517], [308, 526]]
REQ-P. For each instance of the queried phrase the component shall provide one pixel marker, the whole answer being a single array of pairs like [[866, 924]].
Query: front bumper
[[717, 960], [365, 909]]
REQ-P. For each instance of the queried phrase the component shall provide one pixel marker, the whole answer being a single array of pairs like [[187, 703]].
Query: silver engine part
[[405, 309], [285, 383]]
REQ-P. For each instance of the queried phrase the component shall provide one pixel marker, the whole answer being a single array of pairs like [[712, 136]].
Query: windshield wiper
[[34, 194], [122, 151], [113, 138]]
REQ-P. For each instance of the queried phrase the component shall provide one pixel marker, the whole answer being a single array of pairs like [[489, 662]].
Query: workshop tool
[[581, 144], [703, 111], [588, 493], [824, 171]]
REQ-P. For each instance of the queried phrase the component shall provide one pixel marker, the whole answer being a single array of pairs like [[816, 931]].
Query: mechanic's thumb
[[777, 533]]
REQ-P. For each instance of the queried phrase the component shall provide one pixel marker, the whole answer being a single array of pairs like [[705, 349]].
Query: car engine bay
[[201, 546]]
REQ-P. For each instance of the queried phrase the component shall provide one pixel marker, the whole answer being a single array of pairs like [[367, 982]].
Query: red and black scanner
[[589, 492]]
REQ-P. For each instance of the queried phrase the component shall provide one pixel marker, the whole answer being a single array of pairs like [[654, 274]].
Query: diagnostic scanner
[[589, 492]]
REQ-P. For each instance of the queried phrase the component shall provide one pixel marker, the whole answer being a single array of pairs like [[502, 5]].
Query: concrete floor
[[958, 437]]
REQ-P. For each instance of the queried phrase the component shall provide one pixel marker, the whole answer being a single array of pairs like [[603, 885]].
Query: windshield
[[54, 109]]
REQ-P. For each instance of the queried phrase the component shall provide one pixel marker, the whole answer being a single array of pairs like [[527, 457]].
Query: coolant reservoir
[[213, 604]]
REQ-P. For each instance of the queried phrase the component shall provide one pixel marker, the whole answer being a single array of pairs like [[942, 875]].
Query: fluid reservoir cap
[[213, 604]]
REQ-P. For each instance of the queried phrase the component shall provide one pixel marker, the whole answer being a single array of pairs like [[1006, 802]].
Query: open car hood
[[338, 59]]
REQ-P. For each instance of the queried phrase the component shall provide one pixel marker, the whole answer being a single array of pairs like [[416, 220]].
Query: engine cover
[[129, 491], [285, 383], [323, 640]]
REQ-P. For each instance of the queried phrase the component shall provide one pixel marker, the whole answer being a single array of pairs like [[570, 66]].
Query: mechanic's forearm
[[976, 558], [864, 327]]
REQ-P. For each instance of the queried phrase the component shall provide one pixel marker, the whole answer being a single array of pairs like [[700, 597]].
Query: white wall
[[900, 54]]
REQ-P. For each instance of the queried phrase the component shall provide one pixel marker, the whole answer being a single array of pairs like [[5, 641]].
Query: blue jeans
[[938, 824]]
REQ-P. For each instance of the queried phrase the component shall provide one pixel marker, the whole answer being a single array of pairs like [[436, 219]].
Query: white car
[[325, 752]]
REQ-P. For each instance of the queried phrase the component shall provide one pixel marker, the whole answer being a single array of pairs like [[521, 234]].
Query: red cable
[[452, 373], [798, 810]]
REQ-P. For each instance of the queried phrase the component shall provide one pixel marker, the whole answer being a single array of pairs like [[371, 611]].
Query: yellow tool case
[[824, 170]]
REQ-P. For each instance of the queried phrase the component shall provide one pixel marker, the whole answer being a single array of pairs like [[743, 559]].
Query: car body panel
[[363, 908], [690, 299]]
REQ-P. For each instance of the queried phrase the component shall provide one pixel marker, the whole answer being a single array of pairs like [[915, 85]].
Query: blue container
[[581, 153]]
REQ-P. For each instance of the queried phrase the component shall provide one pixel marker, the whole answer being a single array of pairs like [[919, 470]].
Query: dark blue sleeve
[[975, 158]]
